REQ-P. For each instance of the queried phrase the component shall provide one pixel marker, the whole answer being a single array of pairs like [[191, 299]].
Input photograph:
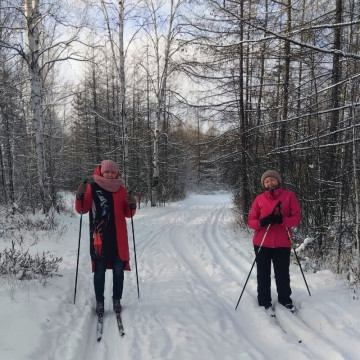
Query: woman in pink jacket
[[273, 214]]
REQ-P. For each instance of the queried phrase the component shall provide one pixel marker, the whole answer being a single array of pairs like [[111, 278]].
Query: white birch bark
[[122, 91], [33, 22], [162, 86], [120, 68]]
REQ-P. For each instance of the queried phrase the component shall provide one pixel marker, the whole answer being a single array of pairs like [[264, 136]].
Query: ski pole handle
[[132, 206]]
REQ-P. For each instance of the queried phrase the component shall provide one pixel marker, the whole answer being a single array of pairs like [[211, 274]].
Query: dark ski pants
[[280, 258], [118, 278]]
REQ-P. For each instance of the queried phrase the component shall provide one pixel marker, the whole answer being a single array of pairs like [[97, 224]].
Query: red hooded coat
[[121, 210], [264, 205]]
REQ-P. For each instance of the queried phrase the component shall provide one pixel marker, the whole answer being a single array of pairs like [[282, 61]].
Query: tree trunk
[[356, 192], [96, 117], [33, 23], [122, 93], [162, 86], [121, 74], [287, 54], [245, 196], [10, 158], [336, 73]]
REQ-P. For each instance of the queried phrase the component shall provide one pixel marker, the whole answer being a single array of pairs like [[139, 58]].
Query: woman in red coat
[[108, 203], [273, 214]]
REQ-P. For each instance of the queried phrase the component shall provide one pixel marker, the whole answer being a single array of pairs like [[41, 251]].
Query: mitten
[[267, 220], [278, 219]]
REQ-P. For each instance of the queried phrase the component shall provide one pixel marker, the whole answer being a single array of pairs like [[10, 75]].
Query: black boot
[[117, 305], [99, 307]]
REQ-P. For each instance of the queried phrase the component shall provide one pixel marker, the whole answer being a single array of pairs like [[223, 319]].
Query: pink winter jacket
[[264, 205]]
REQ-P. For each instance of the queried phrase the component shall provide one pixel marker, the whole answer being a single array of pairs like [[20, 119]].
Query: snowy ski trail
[[192, 265]]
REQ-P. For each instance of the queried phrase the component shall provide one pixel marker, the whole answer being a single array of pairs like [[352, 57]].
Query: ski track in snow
[[192, 267]]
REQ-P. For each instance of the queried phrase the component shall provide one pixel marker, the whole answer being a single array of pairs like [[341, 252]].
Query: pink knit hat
[[109, 165]]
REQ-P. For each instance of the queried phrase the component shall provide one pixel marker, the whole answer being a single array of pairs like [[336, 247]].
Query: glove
[[81, 190], [271, 219], [131, 201]]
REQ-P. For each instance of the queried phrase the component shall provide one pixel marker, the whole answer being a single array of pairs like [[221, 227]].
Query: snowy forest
[[187, 95]]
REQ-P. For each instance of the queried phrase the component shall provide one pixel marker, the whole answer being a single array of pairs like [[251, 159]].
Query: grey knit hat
[[272, 173]]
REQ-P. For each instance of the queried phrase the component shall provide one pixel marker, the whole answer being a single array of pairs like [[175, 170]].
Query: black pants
[[280, 258], [118, 279]]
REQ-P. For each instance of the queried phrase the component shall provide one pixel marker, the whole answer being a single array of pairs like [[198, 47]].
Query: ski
[[276, 322], [99, 328], [100, 324], [120, 324], [290, 313]]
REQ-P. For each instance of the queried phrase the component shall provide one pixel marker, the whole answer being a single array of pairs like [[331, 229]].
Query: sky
[[192, 264]]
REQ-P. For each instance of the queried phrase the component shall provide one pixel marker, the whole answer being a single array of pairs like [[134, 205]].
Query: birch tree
[[119, 60], [33, 25], [36, 20], [164, 51]]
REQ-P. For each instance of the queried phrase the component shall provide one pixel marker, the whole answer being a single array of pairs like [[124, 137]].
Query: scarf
[[111, 185]]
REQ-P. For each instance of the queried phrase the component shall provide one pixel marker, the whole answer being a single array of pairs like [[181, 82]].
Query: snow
[[192, 264], [305, 243]]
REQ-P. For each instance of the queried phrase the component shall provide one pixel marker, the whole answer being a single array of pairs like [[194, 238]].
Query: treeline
[[204, 94], [286, 84]]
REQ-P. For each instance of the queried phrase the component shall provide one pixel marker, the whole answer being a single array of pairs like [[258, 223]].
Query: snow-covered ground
[[192, 265]]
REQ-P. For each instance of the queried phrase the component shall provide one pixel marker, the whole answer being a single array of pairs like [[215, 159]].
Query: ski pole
[[132, 207], [78, 253], [297, 259], [252, 266]]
